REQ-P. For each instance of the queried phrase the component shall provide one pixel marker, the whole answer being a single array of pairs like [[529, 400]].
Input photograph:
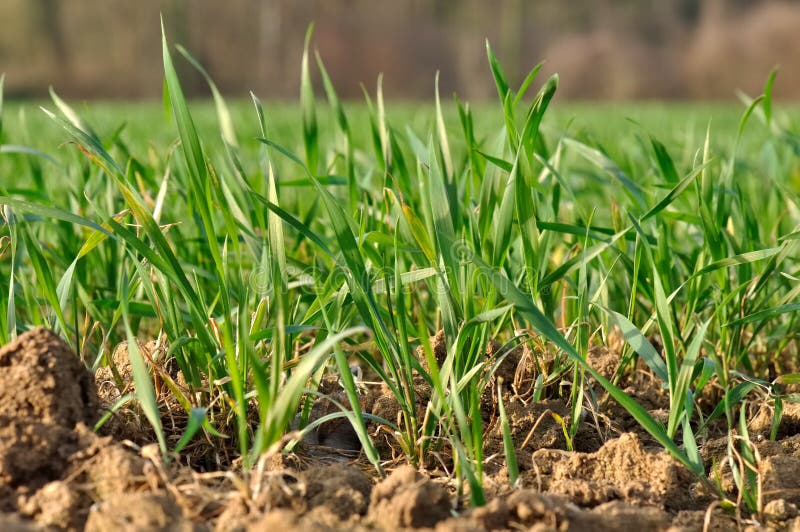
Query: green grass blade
[[285, 406], [55, 213], [639, 343], [223, 113], [678, 412], [444, 145], [665, 162], [308, 108], [197, 417], [508, 442], [676, 191], [526, 83], [193, 153], [764, 315], [767, 105], [497, 72], [45, 281], [145, 392], [599, 159]]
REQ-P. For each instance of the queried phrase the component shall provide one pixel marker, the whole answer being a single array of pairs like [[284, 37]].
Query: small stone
[[780, 510]]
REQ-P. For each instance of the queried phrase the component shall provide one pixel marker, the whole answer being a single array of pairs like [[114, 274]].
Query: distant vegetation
[[602, 49]]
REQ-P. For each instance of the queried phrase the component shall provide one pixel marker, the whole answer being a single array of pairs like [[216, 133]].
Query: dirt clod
[[32, 454], [344, 491], [778, 510], [42, 379], [10, 523], [603, 360], [408, 499], [761, 423], [530, 510], [138, 512], [56, 505], [782, 477], [110, 469], [622, 469]]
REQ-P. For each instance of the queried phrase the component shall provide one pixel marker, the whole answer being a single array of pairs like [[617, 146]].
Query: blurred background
[[603, 49]]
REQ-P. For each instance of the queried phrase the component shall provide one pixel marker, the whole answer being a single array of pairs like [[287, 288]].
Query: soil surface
[[57, 474]]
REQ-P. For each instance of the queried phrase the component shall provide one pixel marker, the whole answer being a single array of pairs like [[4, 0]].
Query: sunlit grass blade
[[72, 116], [764, 315], [344, 126], [444, 144], [640, 344], [145, 392], [508, 442], [44, 280], [603, 162], [678, 411], [197, 416], [497, 72], [676, 191], [223, 114], [308, 108]]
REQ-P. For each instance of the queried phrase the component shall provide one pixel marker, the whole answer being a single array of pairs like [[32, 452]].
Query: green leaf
[[767, 106], [508, 441], [197, 416], [678, 410], [223, 114], [665, 163], [599, 159], [142, 379], [640, 344], [308, 107], [732, 397], [765, 314], [497, 72], [676, 191]]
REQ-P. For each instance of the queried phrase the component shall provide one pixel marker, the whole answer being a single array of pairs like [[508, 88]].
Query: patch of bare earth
[[56, 474]]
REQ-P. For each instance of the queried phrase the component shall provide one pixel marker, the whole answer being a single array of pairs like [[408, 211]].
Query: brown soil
[[56, 474]]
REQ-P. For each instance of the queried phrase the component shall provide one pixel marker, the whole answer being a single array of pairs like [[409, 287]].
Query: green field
[[351, 232]]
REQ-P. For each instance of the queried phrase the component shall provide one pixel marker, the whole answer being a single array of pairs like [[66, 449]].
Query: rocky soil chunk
[[42, 380], [408, 499]]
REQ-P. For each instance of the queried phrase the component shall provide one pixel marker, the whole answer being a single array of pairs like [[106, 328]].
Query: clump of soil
[[52, 467], [31, 454], [605, 361], [407, 499], [527, 509], [41, 379], [761, 422], [44, 392], [621, 470], [334, 495], [338, 489], [133, 512]]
